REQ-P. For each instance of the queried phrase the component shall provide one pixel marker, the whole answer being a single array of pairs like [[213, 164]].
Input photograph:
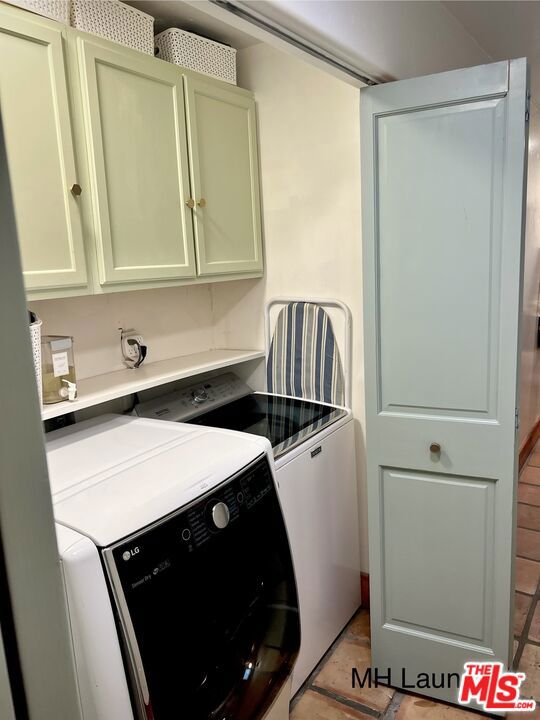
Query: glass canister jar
[[57, 368]]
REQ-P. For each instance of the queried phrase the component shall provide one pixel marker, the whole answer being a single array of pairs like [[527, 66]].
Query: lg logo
[[127, 554]]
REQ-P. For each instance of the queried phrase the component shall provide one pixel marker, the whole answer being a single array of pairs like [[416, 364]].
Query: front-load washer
[[178, 574], [314, 449]]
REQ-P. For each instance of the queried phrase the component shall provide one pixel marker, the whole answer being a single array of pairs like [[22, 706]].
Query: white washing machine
[[178, 574], [314, 453]]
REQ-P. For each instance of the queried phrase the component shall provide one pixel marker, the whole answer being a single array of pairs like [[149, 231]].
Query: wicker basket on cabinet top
[[115, 21], [197, 53], [54, 9]]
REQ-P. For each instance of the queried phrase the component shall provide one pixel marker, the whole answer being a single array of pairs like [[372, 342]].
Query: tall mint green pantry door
[[443, 168]]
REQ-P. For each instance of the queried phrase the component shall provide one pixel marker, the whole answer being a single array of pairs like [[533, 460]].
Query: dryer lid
[[113, 475]]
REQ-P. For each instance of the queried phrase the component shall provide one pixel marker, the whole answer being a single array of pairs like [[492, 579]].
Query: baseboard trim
[[364, 589], [529, 443]]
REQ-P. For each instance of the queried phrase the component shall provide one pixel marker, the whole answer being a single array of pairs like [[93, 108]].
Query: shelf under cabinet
[[101, 388]]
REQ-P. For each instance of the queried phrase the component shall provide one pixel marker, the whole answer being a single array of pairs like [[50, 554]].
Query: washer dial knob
[[220, 515], [199, 396]]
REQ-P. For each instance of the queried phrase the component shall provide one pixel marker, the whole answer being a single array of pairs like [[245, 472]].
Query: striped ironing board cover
[[303, 359]]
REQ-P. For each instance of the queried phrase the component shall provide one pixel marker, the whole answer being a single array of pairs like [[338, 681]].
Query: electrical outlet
[[130, 350]]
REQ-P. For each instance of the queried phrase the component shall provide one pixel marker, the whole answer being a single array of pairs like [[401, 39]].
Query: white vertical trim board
[[34, 588]]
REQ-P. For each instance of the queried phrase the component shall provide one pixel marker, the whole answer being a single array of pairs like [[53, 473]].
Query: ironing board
[[308, 349]]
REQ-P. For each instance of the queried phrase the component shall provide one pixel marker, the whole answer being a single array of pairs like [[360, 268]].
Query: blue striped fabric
[[304, 360]]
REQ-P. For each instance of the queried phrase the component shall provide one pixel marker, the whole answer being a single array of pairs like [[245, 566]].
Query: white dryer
[[178, 574]]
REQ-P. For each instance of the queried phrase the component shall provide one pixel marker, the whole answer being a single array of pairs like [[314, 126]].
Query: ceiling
[[504, 30], [388, 40]]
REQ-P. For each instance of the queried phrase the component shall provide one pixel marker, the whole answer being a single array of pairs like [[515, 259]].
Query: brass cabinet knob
[[435, 448], [76, 190], [201, 202], [190, 203]]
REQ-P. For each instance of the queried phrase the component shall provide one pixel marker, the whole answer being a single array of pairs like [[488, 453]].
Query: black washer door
[[215, 611]]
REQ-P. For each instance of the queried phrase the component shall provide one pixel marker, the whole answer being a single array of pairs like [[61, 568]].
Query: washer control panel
[[182, 405], [152, 553]]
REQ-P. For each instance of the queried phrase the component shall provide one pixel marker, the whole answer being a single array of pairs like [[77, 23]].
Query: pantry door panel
[[39, 140], [443, 185], [225, 178], [437, 532], [135, 126]]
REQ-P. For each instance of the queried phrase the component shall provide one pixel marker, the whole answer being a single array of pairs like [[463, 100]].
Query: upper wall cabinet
[[224, 177], [41, 155], [128, 172], [135, 125]]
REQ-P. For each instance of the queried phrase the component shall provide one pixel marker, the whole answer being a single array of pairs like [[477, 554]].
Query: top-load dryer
[[178, 574]]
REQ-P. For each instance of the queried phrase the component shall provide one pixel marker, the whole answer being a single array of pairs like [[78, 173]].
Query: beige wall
[[310, 177], [530, 356], [173, 321]]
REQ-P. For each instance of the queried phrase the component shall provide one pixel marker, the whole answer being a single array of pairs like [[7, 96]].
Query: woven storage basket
[[35, 337], [115, 21], [197, 53], [54, 9]]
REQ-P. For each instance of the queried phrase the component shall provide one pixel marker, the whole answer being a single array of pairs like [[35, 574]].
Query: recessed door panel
[[437, 532], [134, 114], [439, 176], [225, 178], [38, 131]]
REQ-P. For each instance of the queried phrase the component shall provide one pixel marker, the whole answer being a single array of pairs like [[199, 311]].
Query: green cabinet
[[133, 110], [41, 155], [166, 159], [224, 177]]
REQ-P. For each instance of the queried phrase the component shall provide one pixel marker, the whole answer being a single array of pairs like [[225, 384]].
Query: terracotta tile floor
[[328, 695]]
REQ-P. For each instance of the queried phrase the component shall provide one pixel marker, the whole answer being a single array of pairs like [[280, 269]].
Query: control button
[[240, 497], [199, 396], [186, 534], [220, 515]]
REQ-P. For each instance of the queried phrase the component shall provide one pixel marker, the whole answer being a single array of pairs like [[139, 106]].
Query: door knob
[[201, 203], [190, 203], [76, 190], [435, 447]]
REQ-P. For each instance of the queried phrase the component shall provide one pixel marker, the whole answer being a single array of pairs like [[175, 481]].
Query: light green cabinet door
[[225, 178], [38, 131], [134, 119]]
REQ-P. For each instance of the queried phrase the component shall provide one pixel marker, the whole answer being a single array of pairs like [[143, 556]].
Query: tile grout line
[[352, 704], [520, 502], [309, 683], [395, 704], [524, 636]]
